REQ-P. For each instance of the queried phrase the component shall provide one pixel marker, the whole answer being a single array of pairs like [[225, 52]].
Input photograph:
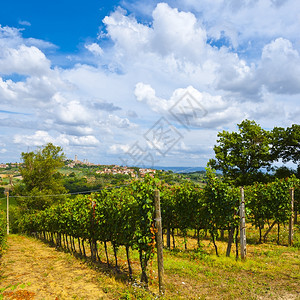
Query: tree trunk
[[237, 243], [97, 252], [168, 237], [92, 250], [173, 237], [116, 257], [278, 232], [129, 264], [198, 238], [79, 246], [83, 249], [74, 246], [268, 231], [214, 242], [143, 263], [260, 235], [222, 235], [67, 242], [71, 245], [230, 240], [105, 247]]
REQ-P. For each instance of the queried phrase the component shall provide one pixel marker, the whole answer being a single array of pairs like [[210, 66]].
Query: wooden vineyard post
[[158, 226], [291, 231], [7, 209], [243, 226]]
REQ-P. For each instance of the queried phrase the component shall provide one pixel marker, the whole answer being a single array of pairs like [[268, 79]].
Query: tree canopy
[[240, 155], [41, 177], [286, 144]]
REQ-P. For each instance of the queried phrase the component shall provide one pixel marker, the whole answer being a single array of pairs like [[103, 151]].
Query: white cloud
[[177, 32], [70, 112], [85, 141], [94, 48], [114, 120], [117, 148], [244, 21], [23, 60], [40, 138], [279, 68], [238, 59], [25, 23], [191, 107]]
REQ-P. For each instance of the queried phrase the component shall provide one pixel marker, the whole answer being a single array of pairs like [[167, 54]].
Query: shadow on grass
[[120, 273]]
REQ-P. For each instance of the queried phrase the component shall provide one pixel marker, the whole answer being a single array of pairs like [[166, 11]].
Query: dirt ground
[[32, 270]]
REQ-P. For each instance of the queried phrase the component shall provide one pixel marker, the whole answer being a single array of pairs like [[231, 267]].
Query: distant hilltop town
[[126, 171], [78, 162], [113, 169], [11, 165]]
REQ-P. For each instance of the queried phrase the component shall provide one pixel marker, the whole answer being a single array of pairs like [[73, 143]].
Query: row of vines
[[2, 231], [125, 216]]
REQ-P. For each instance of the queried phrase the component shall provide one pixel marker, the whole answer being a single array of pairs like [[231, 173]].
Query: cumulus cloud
[[247, 21], [71, 112], [244, 63], [23, 60], [95, 49], [176, 46], [279, 69], [191, 107], [40, 138], [117, 148]]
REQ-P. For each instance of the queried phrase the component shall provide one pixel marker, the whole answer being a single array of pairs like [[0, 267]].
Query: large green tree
[[241, 155], [41, 177], [286, 144]]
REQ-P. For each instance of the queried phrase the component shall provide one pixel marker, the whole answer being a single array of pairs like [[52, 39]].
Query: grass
[[270, 271]]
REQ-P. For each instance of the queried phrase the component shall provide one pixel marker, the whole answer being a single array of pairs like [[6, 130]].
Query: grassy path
[[32, 270]]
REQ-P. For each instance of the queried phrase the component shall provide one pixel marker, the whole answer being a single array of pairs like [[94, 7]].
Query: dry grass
[[270, 271]]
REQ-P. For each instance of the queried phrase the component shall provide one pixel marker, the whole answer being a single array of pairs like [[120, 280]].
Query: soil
[[32, 270]]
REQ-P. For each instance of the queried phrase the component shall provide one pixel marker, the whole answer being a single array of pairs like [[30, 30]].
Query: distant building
[[78, 162]]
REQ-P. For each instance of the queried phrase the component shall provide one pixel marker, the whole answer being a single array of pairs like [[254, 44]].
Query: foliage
[[270, 202], [41, 178], [125, 216], [240, 155], [120, 216], [221, 203], [286, 143], [2, 231]]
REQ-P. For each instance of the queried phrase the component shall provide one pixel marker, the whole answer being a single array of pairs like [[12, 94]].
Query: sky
[[144, 82]]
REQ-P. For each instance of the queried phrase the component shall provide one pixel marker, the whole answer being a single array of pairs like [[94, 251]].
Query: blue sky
[[67, 24], [144, 82]]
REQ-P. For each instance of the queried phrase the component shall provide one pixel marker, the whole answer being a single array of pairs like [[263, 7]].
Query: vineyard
[[124, 217], [2, 231]]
